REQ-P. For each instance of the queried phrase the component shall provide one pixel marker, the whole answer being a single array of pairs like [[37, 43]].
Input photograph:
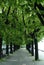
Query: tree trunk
[[11, 51], [7, 49], [14, 47], [0, 47], [28, 47], [32, 49], [36, 49]]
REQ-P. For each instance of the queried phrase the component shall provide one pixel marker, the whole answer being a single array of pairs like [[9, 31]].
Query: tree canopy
[[20, 20]]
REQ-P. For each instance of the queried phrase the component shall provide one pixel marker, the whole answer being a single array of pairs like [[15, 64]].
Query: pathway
[[21, 57]]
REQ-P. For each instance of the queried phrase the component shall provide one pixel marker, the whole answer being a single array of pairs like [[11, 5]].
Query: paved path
[[21, 57]]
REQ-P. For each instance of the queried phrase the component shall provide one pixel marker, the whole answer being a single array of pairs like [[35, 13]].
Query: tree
[[20, 23]]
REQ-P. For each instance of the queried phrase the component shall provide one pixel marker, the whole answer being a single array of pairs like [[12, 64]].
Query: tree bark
[[14, 47], [11, 51], [28, 47], [7, 49], [36, 49], [32, 49]]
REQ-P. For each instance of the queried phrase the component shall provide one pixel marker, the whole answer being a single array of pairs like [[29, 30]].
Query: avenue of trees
[[21, 22]]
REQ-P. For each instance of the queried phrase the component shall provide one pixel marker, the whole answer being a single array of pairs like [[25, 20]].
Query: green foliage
[[12, 27]]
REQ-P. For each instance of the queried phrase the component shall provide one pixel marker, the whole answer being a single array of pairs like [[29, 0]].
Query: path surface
[[21, 57]]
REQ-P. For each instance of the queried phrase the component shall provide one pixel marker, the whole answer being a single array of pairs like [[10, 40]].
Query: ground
[[21, 57]]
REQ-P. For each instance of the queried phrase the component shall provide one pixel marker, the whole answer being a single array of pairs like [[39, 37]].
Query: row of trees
[[20, 23]]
